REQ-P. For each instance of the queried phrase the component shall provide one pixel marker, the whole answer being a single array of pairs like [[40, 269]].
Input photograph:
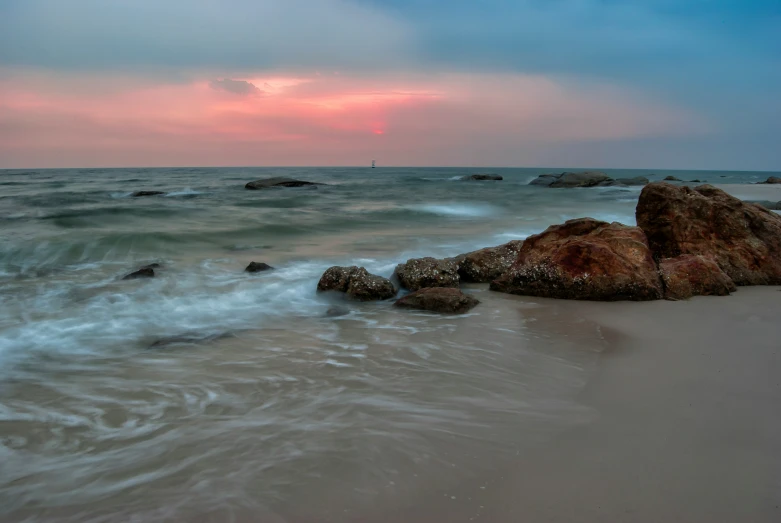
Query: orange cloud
[[315, 119]]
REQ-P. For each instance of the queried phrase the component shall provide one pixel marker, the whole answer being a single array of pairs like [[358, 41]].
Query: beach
[[208, 394]]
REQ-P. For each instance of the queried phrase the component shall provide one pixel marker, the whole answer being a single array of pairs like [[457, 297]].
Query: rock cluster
[[357, 283], [687, 242], [585, 179]]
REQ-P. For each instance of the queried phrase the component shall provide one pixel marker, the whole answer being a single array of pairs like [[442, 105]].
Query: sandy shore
[[688, 426]]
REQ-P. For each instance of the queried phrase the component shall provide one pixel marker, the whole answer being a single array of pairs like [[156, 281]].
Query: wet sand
[[688, 426], [557, 411]]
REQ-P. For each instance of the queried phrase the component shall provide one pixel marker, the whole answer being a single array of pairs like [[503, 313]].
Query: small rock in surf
[[258, 267], [139, 194]]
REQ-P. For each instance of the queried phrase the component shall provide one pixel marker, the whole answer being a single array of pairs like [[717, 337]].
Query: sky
[[692, 84]]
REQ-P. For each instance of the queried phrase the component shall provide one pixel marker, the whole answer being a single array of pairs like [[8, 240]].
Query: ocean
[[253, 403]]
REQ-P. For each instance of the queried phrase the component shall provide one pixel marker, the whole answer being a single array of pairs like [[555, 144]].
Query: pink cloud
[[323, 119]]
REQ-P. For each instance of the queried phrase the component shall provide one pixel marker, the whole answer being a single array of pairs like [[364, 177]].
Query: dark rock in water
[[744, 239], [279, 181], [418, 273], [143, 272], [138, 194], [772, 180], [773, 206], [672, 179], [357, 283], [584, 259], [689, 275], [438, 299], [485, 265], [569, 180], [258, 267], [482, 177], [335, 312], [152, 266], [695, 181]]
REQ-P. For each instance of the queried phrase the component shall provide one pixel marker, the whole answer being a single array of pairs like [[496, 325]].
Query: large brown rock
[[418, 273], [584, 259], [742, 238], [772, 179], [689, 275], [357, 283], [485, 265], [438, 299]]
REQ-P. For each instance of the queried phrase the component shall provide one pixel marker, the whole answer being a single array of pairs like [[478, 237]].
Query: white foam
[[467, 210], [183, 192]]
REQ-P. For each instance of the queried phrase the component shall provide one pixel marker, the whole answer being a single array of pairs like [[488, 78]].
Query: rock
[[482, 177], [335, 312], [485, 265], [438, 299], [545, 180], [672, 179], [772, 180], [689, 275], [278, 181], [742, 238], [139, 194], [357, 283], [584, 259], [418, 273], [143, 272], [258, 267], [569, 180], [695, 181], [773, 206]]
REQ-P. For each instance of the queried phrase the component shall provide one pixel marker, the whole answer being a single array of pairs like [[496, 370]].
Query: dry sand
[[688, 397]]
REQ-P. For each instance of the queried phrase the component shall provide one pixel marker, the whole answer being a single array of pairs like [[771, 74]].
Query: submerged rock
[[438, 299], [418, 273], [689, 275], [143, 272], [482, 177], [742, 238], [570, 179], [357, 283], [485, 265], [139, 194], [258, 267], [278, 181], [192, 338], [772, 180], [584, 259], [336, 311], [672, 179]]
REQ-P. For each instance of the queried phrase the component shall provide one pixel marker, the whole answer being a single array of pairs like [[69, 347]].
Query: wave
[[464, 210]]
